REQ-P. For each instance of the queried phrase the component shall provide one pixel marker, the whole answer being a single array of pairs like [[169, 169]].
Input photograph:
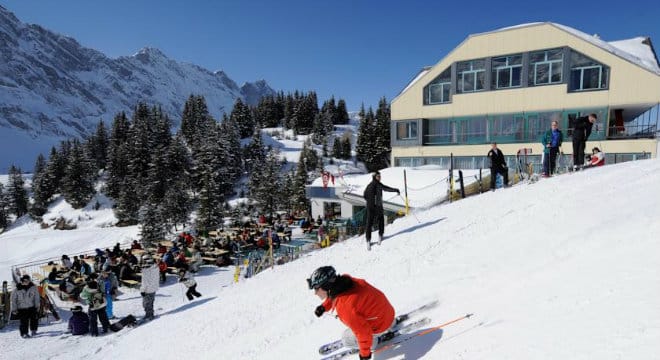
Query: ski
[[382, 340]]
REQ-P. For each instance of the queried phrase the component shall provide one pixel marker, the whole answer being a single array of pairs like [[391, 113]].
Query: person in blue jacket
[[551, 141]]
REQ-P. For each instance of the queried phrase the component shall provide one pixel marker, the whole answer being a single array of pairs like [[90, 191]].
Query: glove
[[319, 311], [142, 294], [365, 357]]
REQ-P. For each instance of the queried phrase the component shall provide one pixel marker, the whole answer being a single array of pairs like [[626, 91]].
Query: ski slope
[[566, 268]]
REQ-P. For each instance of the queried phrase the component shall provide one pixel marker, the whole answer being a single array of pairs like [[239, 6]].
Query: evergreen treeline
[[157, 178]]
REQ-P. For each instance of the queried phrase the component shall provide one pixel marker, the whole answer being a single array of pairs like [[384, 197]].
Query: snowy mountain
[[565, 268], [53, 88]]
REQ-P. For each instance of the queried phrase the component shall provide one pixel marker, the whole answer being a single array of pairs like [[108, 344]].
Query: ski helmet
[[321, 277]]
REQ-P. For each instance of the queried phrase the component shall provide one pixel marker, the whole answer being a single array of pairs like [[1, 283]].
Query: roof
[[638, 50]]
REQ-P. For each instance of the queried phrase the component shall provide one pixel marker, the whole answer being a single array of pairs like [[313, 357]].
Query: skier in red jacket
[[360, 306]]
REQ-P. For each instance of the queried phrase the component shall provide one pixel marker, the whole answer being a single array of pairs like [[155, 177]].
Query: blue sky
[[352, 49]]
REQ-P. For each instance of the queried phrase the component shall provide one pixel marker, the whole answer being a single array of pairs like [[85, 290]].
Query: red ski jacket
[[365, 310]]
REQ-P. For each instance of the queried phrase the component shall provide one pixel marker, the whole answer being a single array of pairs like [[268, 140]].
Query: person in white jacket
[[25, 302], [188, 280], [149, 286]]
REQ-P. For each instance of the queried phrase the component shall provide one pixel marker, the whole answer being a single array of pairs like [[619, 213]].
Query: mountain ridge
[[53, 88]]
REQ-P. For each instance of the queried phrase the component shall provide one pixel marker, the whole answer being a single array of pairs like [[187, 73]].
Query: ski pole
[[422, 333]]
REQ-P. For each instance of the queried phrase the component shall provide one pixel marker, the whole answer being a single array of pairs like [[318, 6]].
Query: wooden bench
[[37, 277], [130, 283]]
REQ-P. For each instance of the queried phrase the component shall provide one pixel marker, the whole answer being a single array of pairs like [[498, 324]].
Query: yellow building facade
[[506, 86]]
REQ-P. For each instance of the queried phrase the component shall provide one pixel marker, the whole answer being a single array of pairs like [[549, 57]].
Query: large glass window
[[438, 91], [545, 67], [406, 130], [506, 71], [471, 76], [439, 131], [586, 73]]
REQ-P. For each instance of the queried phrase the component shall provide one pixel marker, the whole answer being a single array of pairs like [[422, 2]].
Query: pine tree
[[255, 153], [346, 146], [97, 146], [242, 116], [371, 139], [341, 115], [39, 179], [382, 131], [152, 226], [117, 166], [4, 209], [210, 211], [78, 181], [16, 193], [337, 148], [299, 200], [266, 184]]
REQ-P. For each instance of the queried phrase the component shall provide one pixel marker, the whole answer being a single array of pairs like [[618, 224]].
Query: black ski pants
[[192, 291], [578, 151], [550, 161], [493, 176], [103, 317], [29, 319], [374, 214]]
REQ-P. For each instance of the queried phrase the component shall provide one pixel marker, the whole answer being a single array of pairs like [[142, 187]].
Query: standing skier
[[581, 132], [373, 194], [360, 306]]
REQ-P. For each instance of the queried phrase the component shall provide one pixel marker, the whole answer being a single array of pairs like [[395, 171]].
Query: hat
[[93, 285], [25, 277], [76, 308]]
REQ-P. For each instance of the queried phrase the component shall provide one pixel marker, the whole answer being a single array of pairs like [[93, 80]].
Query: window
[[545, 67], [506, 71], [438, 91], [586, 73], [471, 76], [406, 130]]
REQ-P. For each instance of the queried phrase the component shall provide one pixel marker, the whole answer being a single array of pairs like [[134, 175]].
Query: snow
[[563, 268]]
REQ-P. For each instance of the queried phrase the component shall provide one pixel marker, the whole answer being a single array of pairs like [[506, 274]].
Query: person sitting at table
[[181, 261], [85, 269], [132, 259], [136, 246], [69, 286], [75, 266], [126, 271], [66, 262], [53, 276], [116, 251], [287, 233], [168, 258], [276, 240], [161, 249]]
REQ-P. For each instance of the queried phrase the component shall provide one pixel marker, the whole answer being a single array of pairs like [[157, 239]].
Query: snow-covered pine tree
[[39, 178], [117, 166], [367, 146], [152, 224], [383, 147], [177, 203], [346, 146], [16, 193], [255, 153], [242, 116], [230, 140], [210, 211], [97, 146], [78, 181], [341, 115], [300, 203], [337, 148], [266, 184], [304, 112], [158, 172], [269, 112]]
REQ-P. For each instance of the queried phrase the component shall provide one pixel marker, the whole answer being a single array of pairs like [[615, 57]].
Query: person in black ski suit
[[373, 194], [497, 166], [581, 132]]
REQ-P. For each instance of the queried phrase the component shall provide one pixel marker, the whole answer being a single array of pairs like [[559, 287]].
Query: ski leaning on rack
[[336, 345], [382, 340]]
